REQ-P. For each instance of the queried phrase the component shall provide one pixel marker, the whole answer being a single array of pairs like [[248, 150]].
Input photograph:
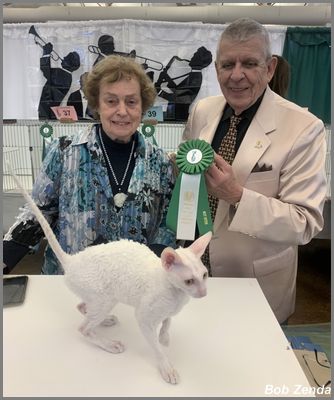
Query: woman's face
[[120, 108]]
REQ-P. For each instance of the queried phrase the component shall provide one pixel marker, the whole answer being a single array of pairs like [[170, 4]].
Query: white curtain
[[157, 41]]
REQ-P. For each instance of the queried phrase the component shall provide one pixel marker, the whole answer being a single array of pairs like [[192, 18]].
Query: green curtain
[[309, 54]]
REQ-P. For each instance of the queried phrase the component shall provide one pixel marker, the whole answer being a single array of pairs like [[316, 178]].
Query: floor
[[313, 303]]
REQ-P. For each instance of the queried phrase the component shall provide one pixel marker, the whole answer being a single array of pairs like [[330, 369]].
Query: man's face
[[243, 71]]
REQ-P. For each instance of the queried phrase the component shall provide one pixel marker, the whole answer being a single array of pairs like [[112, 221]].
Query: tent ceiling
[[268, 13]]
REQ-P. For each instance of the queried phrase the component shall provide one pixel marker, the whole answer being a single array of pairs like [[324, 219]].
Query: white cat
[[130, 273]]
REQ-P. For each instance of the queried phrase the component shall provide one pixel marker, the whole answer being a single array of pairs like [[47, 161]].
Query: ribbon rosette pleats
[[46, 130], [189, 203]]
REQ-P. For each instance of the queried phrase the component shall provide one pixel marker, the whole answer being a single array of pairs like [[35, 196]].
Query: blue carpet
[[318, 334]]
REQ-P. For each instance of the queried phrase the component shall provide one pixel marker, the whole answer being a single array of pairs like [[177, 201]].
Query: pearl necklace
[[120, 197]]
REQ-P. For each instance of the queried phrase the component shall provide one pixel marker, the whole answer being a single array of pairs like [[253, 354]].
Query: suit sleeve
[[189, 130], [295, 215]]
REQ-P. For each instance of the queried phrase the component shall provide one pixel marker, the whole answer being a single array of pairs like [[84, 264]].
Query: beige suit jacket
[[282, 202]]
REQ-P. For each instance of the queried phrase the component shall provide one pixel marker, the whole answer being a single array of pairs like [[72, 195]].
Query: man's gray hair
[[243, 29]]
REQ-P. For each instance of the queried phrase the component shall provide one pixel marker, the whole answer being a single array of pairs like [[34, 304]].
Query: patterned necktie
[[227, 151]]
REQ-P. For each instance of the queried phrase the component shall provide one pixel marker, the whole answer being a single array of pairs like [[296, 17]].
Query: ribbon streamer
[[189, 203], [46, 131]]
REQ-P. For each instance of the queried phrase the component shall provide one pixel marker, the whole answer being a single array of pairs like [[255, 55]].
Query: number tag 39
[[154, 113]]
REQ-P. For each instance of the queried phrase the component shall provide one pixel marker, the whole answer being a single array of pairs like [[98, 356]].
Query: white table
[[226, 344]]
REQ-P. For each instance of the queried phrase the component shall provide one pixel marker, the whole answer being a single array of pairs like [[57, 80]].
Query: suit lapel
[[254, 144], [213, 117]]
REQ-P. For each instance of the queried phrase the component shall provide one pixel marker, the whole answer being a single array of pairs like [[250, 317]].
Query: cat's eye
[[189, 282], [205, 275]]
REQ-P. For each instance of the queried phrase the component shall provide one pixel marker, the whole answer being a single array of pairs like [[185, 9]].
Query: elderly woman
[[105, 183]]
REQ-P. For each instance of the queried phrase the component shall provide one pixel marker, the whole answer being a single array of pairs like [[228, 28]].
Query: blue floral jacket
[[73, 191]]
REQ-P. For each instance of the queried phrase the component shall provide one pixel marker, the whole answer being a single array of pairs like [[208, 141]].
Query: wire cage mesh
[[12, 157]]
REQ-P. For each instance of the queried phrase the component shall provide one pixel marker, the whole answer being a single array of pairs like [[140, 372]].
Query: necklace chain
[[109, 163]]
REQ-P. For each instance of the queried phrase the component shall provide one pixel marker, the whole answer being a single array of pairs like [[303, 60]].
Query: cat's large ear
[[200, 244], [169, 257]]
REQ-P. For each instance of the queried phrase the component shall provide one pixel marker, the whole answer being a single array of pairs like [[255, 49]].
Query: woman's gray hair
[[242, 30]]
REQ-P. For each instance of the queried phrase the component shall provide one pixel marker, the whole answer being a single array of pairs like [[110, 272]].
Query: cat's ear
[[169, 257], [200, 244]]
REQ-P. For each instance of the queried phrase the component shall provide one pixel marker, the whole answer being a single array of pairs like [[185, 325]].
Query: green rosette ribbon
[[189, 203], [148, 131], [46, 130]]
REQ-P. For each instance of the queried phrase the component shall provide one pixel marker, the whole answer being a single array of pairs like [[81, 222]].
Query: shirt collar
[[248, 114]]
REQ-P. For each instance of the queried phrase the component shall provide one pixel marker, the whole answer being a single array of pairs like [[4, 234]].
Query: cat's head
[[184, 267]]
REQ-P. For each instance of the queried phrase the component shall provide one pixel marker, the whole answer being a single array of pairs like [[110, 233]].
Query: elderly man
[[267, 186]]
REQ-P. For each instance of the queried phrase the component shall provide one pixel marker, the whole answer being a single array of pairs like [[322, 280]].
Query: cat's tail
[[50, 236]]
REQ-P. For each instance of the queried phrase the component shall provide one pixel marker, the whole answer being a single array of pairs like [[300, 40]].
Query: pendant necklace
[[120, 197]]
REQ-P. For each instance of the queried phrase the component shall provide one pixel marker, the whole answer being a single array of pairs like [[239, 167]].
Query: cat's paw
[[169, 373], [110, 321], [82, 308], [114, 346], [164, 338]]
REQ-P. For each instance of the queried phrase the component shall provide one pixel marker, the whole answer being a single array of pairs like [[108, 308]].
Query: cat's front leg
[[164, 335], [149, 330], [168, 372]]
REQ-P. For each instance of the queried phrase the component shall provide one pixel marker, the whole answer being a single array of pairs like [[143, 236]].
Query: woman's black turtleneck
[[119, 154]]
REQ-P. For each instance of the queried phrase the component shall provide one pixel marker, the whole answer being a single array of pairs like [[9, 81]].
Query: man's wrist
[[237, 202]]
